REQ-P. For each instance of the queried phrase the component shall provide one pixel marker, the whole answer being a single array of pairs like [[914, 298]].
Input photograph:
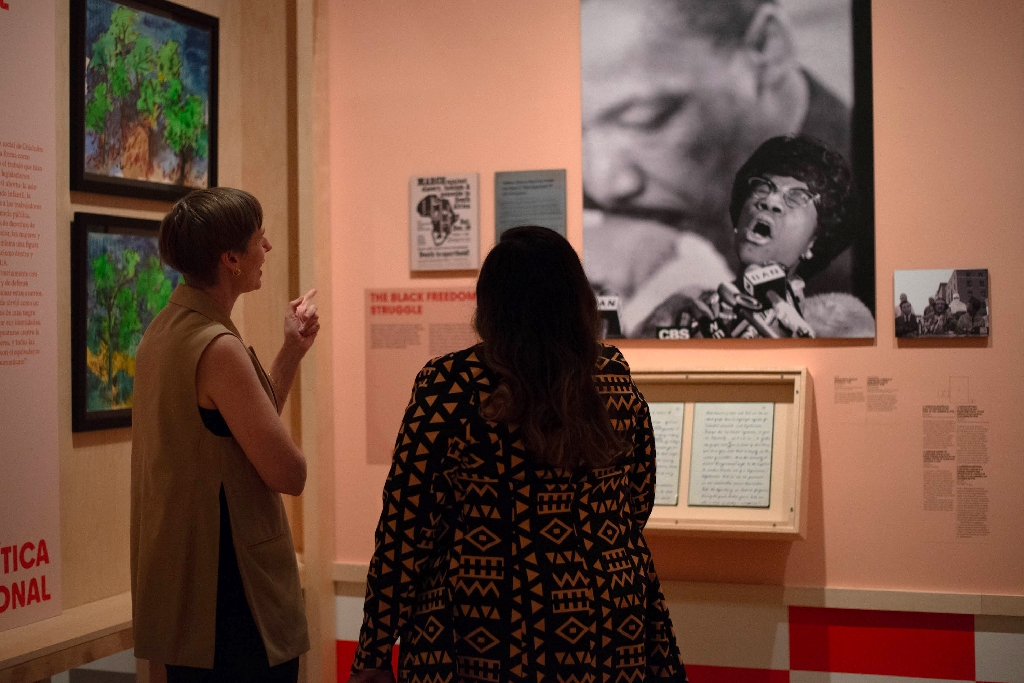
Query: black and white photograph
[[727, 167], [941, 303]]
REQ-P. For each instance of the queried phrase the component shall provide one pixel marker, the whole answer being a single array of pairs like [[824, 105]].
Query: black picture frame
[[95, 236], [194, 26]]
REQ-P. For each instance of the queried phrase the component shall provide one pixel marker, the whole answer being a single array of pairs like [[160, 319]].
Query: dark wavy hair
[[204, 224], [826, 173], [537, 317]]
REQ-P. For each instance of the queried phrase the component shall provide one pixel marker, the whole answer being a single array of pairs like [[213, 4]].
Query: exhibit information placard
[[404, 329], [667, 423], [731, 461], [30, 573], [444, 222], [529, 198]]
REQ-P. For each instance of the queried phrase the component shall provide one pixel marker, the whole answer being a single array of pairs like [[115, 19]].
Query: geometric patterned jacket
[[489, 567]]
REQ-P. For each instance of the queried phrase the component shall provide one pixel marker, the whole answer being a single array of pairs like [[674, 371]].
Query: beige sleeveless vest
[[178, 467]]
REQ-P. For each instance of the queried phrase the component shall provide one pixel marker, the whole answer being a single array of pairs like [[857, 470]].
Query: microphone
[[608, 309], [759, 280], [746, 307], [732, 296]]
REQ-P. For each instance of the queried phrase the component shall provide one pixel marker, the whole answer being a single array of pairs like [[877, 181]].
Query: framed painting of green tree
[[118, 285], [143, 98]]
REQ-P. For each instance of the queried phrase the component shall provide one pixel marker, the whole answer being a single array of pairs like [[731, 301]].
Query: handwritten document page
[[667, 421], [731, 461]]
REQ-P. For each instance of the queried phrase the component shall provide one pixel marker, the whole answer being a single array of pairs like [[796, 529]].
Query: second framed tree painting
[[143, 98], [118, 285]]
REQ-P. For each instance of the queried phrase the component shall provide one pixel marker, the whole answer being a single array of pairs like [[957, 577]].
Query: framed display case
[[732, 451]]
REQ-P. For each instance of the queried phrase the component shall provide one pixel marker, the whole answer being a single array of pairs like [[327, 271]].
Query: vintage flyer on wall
[[444, 222]]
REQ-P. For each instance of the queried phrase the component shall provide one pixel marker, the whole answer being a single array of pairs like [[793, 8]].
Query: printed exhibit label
[[30, 571], [404, 329]]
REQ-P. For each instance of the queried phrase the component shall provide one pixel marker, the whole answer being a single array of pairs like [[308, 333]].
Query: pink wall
[[459, 86]]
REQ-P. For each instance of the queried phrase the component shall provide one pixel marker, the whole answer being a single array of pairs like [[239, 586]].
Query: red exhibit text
[[410, 303], [451, 296], [407, 309], [16, 593]]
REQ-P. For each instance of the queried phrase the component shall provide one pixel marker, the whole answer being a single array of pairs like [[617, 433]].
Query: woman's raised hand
[[302, 322]]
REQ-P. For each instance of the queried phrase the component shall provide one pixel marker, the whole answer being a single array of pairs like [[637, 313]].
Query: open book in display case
[[732, 451]]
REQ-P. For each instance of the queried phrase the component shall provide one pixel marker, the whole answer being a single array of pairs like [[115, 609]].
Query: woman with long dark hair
[[510, 545]]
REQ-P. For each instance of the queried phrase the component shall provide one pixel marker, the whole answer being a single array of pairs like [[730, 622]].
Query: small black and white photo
[[727, 167], [941, 303]]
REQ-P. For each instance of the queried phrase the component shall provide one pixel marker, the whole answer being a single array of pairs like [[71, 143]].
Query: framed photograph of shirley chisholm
[[143, 98], [118, 284], [728, 168]]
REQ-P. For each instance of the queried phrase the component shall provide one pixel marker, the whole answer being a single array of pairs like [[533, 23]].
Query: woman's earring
[[237, 272], [807, 255]]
